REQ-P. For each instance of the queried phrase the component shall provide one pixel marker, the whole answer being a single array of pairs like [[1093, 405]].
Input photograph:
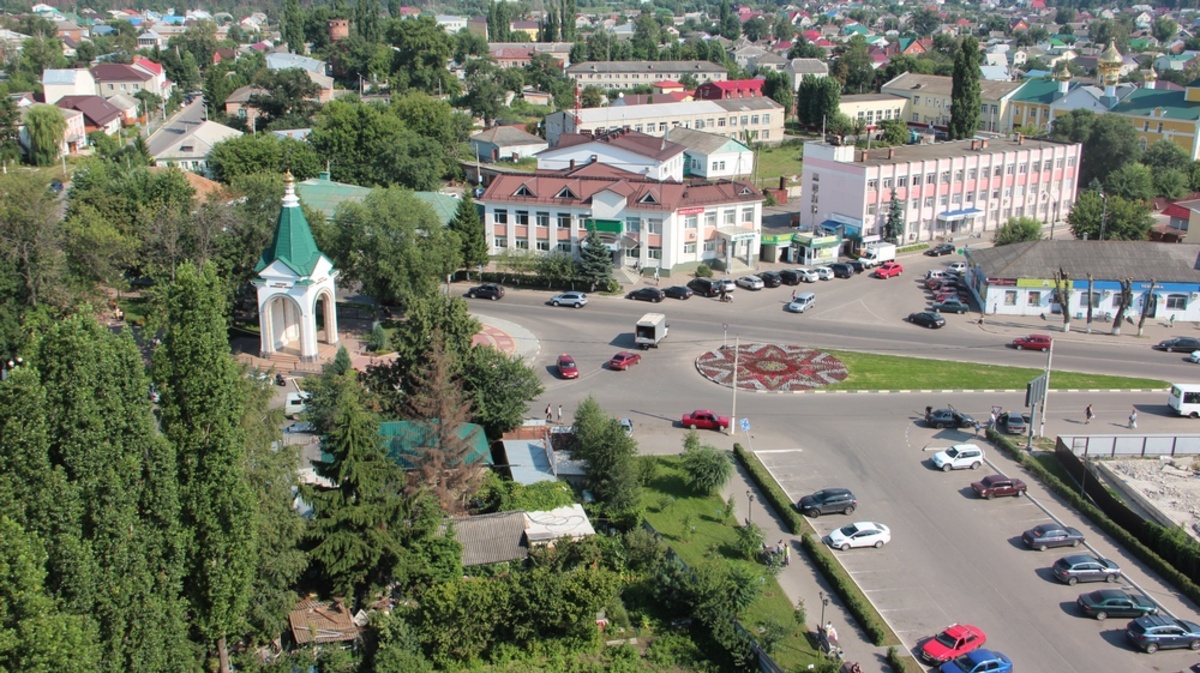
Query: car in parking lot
[[1046, 535], [576, 299], [939, 250], [860, 534], [1179, 345], [770, 279], [958, 457], [998, 485], [1085, 568], [978, 661], [889, 269], [957, 267], [827, 501], [948, 418], [567, 367], [950, 305], [728, 283], [1159, 632], [1032, 342], [678, 292], [491, 291], [705, 419], [807, 275], [842, 270], [927, 319], [1012, 423], [751, 282], [1104, 603], [624, 360], [955, 641], [647, 294], [823, 272], [705, 287]]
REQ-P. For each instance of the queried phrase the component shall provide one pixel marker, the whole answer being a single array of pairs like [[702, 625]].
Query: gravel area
[[1172, 485]]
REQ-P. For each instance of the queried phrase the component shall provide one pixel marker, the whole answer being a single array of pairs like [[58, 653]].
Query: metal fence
[[1131, 446]]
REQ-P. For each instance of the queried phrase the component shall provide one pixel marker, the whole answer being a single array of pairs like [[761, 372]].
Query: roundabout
[[771, 368]]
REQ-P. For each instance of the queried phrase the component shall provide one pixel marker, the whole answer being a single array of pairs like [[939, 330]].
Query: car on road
[[955, 641], [927, 319], [705, 419], [1013, 423], [626, 426], [860, 534], [647, 294], [939, 250], [1104, 603], [770, 279], [948, 418], [950, 305], [1194, 358], [957, 267], [828, 501], [1179, 345], [705, 287], [842, 270], [1085, 568], [751, 282], [1046, 535], [491, 291], [1032, 342], [998, 485], [576, 299], [678, 292], [1159, 632], [978, 661], [824, 272], [959, 457], [889, 269], [624, 360], [801, 303], [567, 367]]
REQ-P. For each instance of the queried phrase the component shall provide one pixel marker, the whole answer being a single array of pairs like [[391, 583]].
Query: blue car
[[979, 661]]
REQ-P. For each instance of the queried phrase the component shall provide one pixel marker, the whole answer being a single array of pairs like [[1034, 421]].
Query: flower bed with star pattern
[[772, 368]]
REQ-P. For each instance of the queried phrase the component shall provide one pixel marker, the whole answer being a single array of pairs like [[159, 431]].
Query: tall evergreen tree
[[567, 21], [893, 228], [595, 263], [469, 227], [965, 96], [366, 20], [292, 26], [202, 405]]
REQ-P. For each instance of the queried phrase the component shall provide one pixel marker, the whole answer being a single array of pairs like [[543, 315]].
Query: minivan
[[705, 287], [801, 303], [842, 270], [296, 404]]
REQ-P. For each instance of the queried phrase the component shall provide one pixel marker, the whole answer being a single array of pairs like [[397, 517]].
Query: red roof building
[[737, 88]]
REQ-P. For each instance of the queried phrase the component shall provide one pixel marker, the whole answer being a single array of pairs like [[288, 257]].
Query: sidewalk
[[507, 337]]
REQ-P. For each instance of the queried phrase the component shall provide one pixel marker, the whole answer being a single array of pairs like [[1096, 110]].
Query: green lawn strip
[[774, 162], [869, 371], [671, 507]]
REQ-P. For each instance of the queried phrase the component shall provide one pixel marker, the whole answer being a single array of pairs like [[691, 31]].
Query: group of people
[[550, 414], [1088, 415], [780, 551]]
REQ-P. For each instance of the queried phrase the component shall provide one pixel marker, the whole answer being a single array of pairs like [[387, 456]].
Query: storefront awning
[[737, 234], [957, 215]]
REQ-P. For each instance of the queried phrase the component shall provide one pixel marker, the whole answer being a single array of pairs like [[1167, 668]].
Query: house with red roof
[[98, 114], [114, 78], [735, 88]]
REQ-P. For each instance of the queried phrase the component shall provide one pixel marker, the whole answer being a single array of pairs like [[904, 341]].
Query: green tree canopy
[[601, 443], [965, 96], [262, 153], [1109, 142], [46, 126], [708, 468], [1016, 230], [1118, 220], [1132, 181]]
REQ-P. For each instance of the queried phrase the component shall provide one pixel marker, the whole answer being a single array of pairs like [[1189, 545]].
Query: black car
[[1047, 535], [827, 501], [939, 250], [1013, 423], [927, 319], [1106, 603], [705, 287], [857, 265], [1179, 345], [790, 277], [491, 291], [948, 418], [842, 270], [770, 279], [678, 292], [647, 294], [1158, 632]]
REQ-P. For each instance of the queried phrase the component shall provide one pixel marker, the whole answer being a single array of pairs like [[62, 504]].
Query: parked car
[[938, 282], [957, 267], [1104, 603], [824, 272], [998, 485], [827, 501], [889, 269], [624, 360], [927, 319], [939, 250], [1194, 358], [647, 294], [750, 282], [770, 279], [858, 265], [948, 418], [807, 275], [1046, 535], [955, 641], [959, 457], [842, 270], [728, 283], [491, 291], [790, 277], [567, 368], [1033, 342], [861, 534], [705, 419], [950, 305], [627, 426], [1179, 345], [678, 292], [1159, 632], [576, 299], [1085, 568], [978, 661], [705, 287], [1013, 423]]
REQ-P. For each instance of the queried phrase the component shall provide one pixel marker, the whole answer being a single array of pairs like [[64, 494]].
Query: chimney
[[974, 145], [572, 164], [783, 182], [891, 153], [983, 144]]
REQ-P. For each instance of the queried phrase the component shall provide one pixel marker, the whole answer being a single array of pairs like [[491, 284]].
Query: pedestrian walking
[[1133, 419], [831, 634], [992, 420], [976, 428], [1172, 320], [560, 413], [656, 277], [1089, 414], [787, 555], [549, 416], [793, 295]]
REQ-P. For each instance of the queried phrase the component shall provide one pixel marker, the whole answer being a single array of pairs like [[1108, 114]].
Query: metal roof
[[1105, 260]]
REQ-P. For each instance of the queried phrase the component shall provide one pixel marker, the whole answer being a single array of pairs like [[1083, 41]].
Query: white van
[[296, 404], [1185, 399], [801, 303]]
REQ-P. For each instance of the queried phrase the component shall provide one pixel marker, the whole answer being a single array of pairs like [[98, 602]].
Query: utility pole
[[736, 353], [1046, 395]]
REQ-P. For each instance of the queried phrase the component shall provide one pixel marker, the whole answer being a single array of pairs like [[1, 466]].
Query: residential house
[[628, 74], [451, 23], [873, 108], [799, 68], [507, 143], [530, 28], [114, 78], [150, 39], [238, 104], [710, 156], [130, 108], [69, 29], [187, 144], [929, 101], [743, 118], [316, 622], [59, 83], [315, 69], [74, 134], [1175, 62], [503, 52], [98, 114], [646, 155], [505, 537], [729, 89]]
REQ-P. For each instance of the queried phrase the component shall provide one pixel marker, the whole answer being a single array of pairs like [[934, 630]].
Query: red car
[[624, 360], [956, 640], [1033, 342], [889, 269], [567, 368], [995, 485], [706, 419]]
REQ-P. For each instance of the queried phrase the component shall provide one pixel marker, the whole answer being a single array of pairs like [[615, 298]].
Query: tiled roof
[[701, 142], [119, 72], [1140, 260], [321, 622], [95, 109], [641, 144]]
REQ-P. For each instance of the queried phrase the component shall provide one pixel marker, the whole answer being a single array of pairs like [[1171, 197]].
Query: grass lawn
[[890, 372], [698, 530], [776, 161]]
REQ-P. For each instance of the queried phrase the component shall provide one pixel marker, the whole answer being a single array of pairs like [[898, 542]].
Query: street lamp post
[[824, 602], [749, 507], [1103, 215]]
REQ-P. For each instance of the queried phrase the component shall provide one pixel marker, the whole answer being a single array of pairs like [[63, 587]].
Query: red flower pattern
[[772, 367]]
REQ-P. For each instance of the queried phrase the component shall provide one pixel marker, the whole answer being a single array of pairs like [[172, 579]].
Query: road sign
[[746, 424], [1035, 391]]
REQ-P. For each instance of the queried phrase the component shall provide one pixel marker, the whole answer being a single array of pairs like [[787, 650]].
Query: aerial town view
[[567, 336]]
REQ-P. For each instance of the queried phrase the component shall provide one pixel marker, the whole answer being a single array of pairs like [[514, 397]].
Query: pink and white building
[[946, 189]]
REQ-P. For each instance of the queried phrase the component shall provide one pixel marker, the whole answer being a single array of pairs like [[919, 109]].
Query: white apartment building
[[628, 74], [946, 189], [759, 118]]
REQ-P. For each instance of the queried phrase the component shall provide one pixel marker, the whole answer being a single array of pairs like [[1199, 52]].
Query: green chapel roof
[[293, 244]]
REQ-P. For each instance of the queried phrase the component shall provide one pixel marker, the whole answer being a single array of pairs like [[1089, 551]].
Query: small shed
[[315, 622], [405, 439]]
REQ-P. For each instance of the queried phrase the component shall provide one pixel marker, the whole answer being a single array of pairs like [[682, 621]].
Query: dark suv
[[842, 270], [826, 501], [486, 291], [790, 277], [1159, 632], [705, 287]]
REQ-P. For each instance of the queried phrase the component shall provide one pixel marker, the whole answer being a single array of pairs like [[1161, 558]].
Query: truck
[[877, 253], [650, 329]]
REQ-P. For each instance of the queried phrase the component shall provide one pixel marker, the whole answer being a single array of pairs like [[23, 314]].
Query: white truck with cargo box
[[651, 329], [878, 253]]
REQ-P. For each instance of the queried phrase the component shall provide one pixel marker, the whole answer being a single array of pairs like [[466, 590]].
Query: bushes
[[704, 271], [901, 663]]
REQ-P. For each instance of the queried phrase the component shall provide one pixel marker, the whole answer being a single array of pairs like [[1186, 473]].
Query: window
[[499, 216], [543, 245], [902, 181], [721, 123], [691, 222], [995, 193], [871, 209], [765, 134], [1160, 127], [638, 128], [522, 243], [916, 203], [710, 219], [945, 177], [565, 193], [564, 247], [766, 119], [1058, 162], [522, 217], [754, 120], [916, 118], [943, 201], [662, 127], [916, 100], [710, 246], [748, 214], [1010, 297], [1046, 165], [930, 178], [730, 216], [654, 226], [733, 120], [543, 219], [929, 202], [971, 174], [1034, 298], [1021, 169], [1011, 169], [956, 199], [1094, 299], [745, 118], [971, 197], [654, 253], [816, 177], [689, 248], [887, 183], [699, 124], [1020, 191], [958, 175], [1177, 301], [872, 185], [564, 220], [633, 225], [1071, 162], [500, 242]]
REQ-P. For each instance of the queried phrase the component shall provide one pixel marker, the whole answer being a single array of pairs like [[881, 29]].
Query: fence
[[1131, 446]]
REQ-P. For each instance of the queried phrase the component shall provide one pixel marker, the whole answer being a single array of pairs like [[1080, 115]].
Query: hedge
[[1069, 492]]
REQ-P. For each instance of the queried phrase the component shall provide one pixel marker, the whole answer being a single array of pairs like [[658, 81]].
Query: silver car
[[576, 299], [824, 272], [750, 282], [808, 275]]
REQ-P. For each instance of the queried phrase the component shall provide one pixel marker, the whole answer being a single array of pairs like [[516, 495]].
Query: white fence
[[1132, 446]]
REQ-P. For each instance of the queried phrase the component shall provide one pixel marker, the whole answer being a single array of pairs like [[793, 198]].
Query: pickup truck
[[706, 419], [998, 485]]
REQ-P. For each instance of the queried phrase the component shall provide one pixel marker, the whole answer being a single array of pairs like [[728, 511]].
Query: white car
[[958, 267], [576, 299], [808, 275], [627, 426], [824, 272], [750, 282], [959, 457], [860, 534], [1195, 357], [728, 284]]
